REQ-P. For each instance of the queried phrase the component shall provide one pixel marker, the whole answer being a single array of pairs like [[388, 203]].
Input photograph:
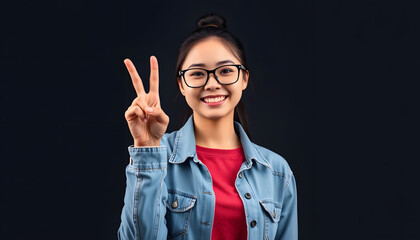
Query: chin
[[213, 116]]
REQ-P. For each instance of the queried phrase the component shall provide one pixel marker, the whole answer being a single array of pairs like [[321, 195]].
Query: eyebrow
[[218, 63]]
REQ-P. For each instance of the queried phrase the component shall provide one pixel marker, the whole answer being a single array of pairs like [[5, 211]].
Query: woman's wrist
[[147, 144]]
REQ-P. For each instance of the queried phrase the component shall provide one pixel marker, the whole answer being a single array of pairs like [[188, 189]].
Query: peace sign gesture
[[146, 120]]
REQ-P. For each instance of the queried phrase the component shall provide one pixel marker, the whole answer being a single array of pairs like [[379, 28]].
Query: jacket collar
[[184, 145]]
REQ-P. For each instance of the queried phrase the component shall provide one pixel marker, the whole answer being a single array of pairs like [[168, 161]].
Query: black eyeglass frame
[[239, 66]]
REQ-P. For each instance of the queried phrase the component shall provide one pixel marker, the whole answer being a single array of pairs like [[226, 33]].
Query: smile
[[213, 101]]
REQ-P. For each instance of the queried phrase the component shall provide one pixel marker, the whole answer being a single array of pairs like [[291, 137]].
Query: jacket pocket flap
[[273, 209], [180, 202]]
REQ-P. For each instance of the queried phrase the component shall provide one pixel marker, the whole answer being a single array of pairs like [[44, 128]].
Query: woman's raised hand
[[145, 117]]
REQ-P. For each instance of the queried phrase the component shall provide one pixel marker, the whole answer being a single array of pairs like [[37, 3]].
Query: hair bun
[[211, 20]]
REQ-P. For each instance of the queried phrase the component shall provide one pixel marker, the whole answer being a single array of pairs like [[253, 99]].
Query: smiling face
[[212, 101]]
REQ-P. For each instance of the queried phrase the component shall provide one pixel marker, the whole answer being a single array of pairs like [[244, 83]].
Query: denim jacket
[[169, 193]]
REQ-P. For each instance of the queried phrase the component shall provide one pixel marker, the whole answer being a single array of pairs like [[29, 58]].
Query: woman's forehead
[[209, 52]]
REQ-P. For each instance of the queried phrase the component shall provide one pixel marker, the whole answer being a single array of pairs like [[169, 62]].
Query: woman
[[207, 180]]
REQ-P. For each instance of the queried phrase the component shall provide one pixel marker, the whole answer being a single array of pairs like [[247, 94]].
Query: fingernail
[[145, 120], [149, 109]]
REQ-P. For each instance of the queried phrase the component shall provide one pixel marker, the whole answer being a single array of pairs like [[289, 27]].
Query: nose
[[212, 83]]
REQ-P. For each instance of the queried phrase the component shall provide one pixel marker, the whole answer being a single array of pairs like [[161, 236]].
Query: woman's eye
[[226, 70], [196, 74]]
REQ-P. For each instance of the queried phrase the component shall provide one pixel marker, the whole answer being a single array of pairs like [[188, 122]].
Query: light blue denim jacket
[[169, 193]]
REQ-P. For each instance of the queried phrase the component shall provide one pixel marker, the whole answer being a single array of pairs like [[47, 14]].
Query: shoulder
[[277, 164]]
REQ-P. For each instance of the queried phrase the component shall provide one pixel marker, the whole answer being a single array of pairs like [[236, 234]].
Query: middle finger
[[154, 75]]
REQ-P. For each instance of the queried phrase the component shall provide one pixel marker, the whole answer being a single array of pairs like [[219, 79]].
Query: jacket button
[[253, 223], [175, 204], [240, 175], [248, 195]]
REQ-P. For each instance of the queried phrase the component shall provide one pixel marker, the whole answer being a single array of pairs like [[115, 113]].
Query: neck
[[215, 133]]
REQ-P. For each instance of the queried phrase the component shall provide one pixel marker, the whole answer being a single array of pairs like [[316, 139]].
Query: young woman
[[207, 180]]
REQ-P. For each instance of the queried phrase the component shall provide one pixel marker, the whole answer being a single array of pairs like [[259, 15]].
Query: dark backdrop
[[332, 91]]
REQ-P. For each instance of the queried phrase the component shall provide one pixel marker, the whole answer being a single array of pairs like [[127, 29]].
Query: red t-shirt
[[229, 217]]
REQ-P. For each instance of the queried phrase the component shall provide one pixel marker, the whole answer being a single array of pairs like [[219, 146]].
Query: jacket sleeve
[[288, 225], [143, 213]]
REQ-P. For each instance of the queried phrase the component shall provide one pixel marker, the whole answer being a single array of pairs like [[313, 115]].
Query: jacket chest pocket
[[272, 213], [179, 206]]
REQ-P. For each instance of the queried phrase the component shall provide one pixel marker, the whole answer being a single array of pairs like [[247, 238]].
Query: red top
[[229, 217]]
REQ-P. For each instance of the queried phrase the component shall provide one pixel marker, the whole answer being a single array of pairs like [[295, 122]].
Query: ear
[[181, 87], [245, 80]]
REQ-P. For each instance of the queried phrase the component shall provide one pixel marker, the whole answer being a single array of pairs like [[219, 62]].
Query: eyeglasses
[[198, 77]]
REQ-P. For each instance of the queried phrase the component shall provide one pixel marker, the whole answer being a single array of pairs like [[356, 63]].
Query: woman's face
[[210, 53]]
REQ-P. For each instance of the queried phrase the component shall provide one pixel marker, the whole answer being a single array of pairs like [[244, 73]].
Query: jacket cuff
[[148, 157]]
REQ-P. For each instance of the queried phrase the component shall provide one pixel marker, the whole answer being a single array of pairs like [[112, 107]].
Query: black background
[[333, 91]]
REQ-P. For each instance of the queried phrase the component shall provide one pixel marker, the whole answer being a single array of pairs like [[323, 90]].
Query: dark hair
[[209, 25]]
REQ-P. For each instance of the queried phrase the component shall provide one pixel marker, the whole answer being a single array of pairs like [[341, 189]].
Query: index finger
[[137, 83], [154, 75]]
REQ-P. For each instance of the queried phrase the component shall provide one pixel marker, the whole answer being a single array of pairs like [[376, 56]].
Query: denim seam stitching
[[146, 169], [173, 191], [175, 148], [265, 228], [184, 230], [288, 182], [277, 173], [280, 174], [137, 193], [251, 202], [158, 209], [262, 156], [149, 149]]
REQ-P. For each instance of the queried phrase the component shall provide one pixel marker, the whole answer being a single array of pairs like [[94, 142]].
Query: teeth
[[216, 99]]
